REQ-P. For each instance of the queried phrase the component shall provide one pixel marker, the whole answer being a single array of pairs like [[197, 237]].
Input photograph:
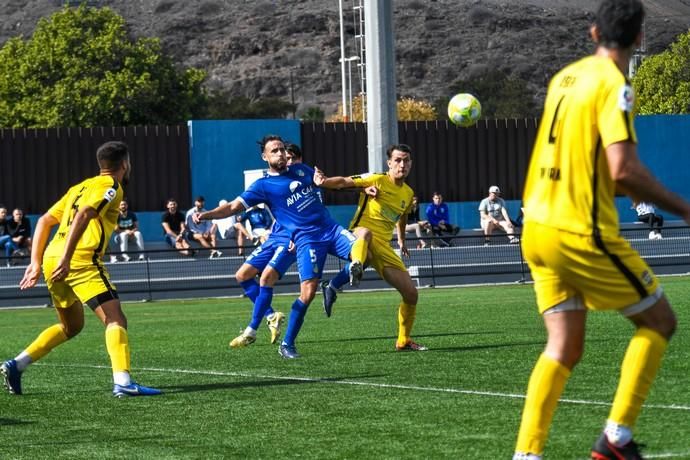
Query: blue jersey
[[279, 233], [259, 218], [295, 203]]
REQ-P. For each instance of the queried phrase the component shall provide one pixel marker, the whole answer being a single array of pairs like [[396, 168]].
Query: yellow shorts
[[383, 255], [88, 284], [598, 275]]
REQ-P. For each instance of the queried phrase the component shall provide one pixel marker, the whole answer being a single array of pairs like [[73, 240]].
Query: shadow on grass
[[489, 346], [257, 384], [11, 421], [394, 337]]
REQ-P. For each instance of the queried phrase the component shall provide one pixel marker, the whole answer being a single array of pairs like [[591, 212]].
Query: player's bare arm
[[332, 183], [76, 230], [33, 272], [220, 212], [635, 180], [401, 224], [341, 183]]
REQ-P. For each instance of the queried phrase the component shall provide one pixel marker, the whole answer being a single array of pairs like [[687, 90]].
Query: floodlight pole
[[382, 117], [349, 84], [342, 57]]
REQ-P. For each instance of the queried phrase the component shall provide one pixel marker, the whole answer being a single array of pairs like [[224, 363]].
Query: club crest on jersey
[[626, 98], [300, 173], [109, 195]]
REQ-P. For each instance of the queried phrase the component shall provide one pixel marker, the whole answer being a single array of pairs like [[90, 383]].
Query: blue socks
[[299, 311], [251, 289], [342, 278], [261, 306]]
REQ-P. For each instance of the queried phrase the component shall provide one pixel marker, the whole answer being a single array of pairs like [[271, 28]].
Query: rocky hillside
[[291, 48]]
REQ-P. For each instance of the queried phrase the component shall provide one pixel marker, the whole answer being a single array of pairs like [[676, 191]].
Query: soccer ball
[[464, 110]]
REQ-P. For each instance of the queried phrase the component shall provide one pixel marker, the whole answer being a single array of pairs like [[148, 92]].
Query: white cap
[[494, 189], [222, 202]]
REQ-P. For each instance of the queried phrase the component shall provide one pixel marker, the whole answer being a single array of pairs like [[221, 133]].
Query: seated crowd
[[15, 235]]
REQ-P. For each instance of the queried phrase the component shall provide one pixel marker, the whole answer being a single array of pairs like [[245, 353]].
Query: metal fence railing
[[166, 274]]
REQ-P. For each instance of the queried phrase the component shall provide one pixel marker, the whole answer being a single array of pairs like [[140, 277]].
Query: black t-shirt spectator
[[174, 220], [22, 228], [413, 216]]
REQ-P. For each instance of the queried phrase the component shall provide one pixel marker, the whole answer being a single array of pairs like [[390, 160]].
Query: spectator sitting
[[437, 214], [6, 242], [259, 222], [647, 214], [127, 230], [19, 228], [204, 232], [416, 225], [230, 227], [174, 229], [494, 215]]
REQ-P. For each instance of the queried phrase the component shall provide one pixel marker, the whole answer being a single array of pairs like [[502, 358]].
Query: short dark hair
[[294, 150], [200, 198], [268, 138], [402, 147], [619, 22], [112, 154]]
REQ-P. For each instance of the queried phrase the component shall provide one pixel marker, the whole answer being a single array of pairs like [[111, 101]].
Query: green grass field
[[349, 396]]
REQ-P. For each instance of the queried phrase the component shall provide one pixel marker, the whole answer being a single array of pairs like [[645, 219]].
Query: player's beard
[[279, 164]]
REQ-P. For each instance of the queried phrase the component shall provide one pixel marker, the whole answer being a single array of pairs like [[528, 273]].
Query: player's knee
[[363, 233], [307, 293], [269, 277], [666, 327], [566, 354], [244, 274], [410, 295], [73, 328]]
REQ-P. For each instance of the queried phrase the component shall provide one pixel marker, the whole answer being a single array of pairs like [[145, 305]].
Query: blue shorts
[[311, 256], [273, 253]]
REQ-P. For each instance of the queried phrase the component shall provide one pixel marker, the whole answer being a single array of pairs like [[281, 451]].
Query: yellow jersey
[[589, 106], [103, 193], [382, 213]]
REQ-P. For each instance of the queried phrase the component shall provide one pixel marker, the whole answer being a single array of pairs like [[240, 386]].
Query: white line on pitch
[[364, 384]]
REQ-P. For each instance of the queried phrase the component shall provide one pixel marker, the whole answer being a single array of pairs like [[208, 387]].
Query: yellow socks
[[117, 343], [545, 387], [640, 365], [358, 253], [46, 341], [406, 316]]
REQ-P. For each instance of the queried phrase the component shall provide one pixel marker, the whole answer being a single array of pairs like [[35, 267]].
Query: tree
[[408, 109], [80, 69], [662, 82], [501, 95], [313, 114]]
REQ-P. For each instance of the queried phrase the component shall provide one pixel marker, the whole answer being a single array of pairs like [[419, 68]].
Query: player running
[[75, 274], [373, 223], [294, 200]]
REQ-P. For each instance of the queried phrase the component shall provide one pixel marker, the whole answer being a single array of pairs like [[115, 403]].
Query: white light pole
[[349, 83], [342, 56]]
